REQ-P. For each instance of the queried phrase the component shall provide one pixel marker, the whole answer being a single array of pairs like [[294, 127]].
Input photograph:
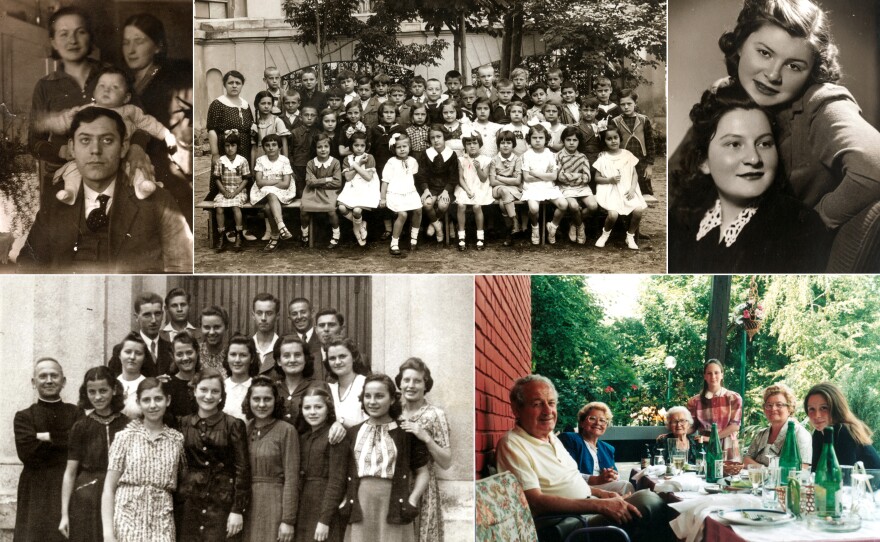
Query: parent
[[164, 87], [779, 403], [826, 406], [680, 423], [227, 114], [107, 229], [719, 405], [733, 215], [550, 477], [159, 355], [595, 460], [41, 436], [782, 53]]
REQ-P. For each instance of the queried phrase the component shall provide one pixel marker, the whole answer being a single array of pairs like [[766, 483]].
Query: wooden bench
[[209, 207], [542, 217]]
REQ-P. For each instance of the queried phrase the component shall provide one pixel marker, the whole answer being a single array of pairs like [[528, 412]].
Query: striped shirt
[[374, 451]]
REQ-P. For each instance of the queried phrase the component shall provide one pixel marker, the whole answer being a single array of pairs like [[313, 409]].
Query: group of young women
[[310, 461]]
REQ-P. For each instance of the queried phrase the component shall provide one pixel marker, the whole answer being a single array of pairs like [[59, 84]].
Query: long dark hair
[[359, 366], [263, 382], [308, 370], [703, 391], [247, 342], [301, 424], [96, 374], [396, 408]]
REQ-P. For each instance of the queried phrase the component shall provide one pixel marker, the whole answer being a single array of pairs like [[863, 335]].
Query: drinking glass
[[769, 496], [756, 477], [659, 458]]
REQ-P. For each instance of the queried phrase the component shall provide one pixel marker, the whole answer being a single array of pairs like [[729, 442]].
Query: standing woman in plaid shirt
[[719, 405]]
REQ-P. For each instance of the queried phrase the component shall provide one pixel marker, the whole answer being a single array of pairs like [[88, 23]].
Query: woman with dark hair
[[214, 322], [274, 455], [185, 349], [716, 404], [229, 114], [164, 87], [782, 54], [346, 366], [132, 351], [294, 373], [731, 214], [242, 365], [826, 406], [428, 424], [88, 449]]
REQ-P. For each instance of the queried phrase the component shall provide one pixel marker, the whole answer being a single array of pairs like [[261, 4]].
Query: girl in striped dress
[[574, 179], [142, 472]]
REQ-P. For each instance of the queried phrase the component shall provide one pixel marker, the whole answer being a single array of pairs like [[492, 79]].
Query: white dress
[[401, 194], [489, 133], [348, 407], [543, 162], [129, 394], [359, 192], [612, 197], [481, 189], [276, 170]]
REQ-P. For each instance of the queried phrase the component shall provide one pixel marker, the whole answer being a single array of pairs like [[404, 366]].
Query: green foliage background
[[816, 328]]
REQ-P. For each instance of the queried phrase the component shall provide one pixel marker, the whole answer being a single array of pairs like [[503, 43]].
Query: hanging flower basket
[[750, 314]]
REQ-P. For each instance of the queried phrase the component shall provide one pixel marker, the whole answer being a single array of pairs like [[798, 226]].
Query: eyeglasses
[[769, 406], [678, 422], [600, 421]]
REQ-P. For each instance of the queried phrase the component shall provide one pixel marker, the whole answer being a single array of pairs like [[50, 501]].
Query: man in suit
[[299, 312], [107, 229], [264, 309], [330, 325], [159, 357], [177, 304]]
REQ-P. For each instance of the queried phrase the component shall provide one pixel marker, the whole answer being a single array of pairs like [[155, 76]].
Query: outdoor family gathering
[[750, 415], [776, 166], [330, 147], [97, 173], [288, 429]]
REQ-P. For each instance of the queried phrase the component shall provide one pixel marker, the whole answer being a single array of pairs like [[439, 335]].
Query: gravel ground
[[564, 257]]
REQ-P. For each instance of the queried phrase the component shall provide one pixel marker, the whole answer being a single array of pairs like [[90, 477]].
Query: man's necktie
[[98, 219]]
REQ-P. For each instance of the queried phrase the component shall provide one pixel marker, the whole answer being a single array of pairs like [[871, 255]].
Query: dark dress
[[437, 174], [783, 236], [170, 91], [274, 454], [222, 117], [323, 470], [182, 401], [293, 398], [39, 486], [847, 449], [90, 441], [218, 476]]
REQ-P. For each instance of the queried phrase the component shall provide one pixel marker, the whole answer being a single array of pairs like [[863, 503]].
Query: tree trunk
[[506, 42], [464, 70], [716, 336], [516, 38], [456, 45]]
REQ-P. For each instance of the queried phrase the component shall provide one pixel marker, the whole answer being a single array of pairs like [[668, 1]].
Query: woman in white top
[[345, 363], [132, 351]]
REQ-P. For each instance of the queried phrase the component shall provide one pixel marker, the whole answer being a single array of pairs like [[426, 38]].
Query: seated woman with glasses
[[779, 404], [680, 423], [595, 459]]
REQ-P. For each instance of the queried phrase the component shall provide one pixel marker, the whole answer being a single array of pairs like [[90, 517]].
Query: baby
[[112, 91]]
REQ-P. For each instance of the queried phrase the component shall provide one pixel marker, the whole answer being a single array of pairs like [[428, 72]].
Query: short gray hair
[[517, 397], [680, 410]]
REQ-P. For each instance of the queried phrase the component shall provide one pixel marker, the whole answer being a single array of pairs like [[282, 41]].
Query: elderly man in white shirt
[[550, 477]]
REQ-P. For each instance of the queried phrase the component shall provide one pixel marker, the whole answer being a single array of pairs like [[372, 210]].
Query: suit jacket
[[370, 113], [151, 367], [146, 236]]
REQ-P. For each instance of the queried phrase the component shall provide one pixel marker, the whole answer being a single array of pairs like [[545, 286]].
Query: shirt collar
[[271, 347], [712, 220], [210, 420], [169, 327], [149, 341], [432, 153], [91, 196]]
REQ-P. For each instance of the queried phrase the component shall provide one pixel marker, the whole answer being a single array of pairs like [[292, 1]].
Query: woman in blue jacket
[[595, 459]]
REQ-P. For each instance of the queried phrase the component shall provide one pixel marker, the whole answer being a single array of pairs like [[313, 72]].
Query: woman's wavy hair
[[840, 413], [416, 364], [692, 191], [359, 365], [263, 382], [206, 374], [301, 424], [96, 374], [185, 338], [800, 18], [308, 369], [396, 408], [247, 342], [84, 17]]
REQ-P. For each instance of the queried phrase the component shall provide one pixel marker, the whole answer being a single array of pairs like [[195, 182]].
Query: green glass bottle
[[828, 478], [714, 458], [790, 459]]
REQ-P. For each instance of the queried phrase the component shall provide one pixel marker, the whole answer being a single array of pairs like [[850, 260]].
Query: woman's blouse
[[848, 451], [214, 361], [761, 450], [274, 455], [349, 410], [91, 438], [322, 460], [235, 394], [724, 408], [147, 461], [129, 390], [223, 115], [374, 451]]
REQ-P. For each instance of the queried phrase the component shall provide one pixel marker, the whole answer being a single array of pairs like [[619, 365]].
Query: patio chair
[[503, 515]]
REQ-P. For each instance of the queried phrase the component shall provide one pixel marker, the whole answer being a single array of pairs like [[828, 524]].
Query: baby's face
[[111, 91]]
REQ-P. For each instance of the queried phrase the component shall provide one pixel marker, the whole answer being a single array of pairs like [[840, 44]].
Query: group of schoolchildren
[[370, 144]]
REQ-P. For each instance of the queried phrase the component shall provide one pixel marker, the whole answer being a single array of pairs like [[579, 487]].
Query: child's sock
[[480, 235], [414, 235], [304, 230], [394, 242], [461, 235], [335, 232]]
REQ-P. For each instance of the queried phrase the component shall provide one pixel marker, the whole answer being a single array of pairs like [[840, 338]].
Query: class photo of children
[[83, 71], [447, 154], [256, 409]]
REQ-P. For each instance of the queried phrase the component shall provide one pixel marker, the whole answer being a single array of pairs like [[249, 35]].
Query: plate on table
[[711, 489], [733, 484], [755, 516]]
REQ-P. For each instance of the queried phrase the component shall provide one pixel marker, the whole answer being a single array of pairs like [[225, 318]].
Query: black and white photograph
[[387, 137], [256, 408], [96, 118], [773, 130]]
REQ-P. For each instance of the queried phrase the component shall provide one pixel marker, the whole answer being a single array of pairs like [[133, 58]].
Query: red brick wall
[[503, 318]]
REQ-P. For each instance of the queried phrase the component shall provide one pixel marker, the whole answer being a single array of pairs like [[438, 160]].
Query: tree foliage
[[816, 328], [374, 39]]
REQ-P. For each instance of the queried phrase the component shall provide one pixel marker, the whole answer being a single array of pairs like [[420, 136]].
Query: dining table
[[698, 515]]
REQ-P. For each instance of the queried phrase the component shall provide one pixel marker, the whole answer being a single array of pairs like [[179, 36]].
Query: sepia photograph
[[96, 118], [255, 408], [386, 137], [773, 130]]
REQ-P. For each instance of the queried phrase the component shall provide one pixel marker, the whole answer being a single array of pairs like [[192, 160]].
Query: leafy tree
[[374, 39]]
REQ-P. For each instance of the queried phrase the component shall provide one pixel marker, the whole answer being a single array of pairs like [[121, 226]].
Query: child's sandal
[[395, 251], [285, 233], [462, 245], [305, 241], [333, 243], [273, 244], [480, 244]]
